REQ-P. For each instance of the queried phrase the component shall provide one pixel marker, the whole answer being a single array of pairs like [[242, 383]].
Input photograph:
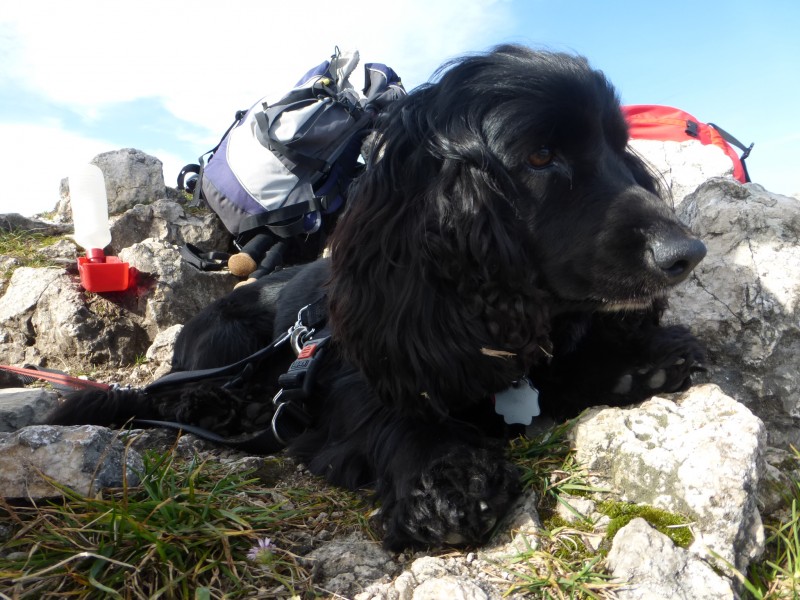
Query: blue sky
[[87, 76]]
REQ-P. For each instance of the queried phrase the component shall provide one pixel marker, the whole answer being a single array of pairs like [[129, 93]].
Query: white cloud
[[203, 58], [202, 61], [33, 161]]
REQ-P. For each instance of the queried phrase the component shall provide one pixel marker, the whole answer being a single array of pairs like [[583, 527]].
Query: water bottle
[[87, 191]]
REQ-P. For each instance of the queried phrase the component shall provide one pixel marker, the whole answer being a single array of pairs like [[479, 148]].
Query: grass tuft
[[23, 246], [562, 565], [778, 575], [189, 527]]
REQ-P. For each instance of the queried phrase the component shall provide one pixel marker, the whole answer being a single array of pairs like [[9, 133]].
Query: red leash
[[56, 378]]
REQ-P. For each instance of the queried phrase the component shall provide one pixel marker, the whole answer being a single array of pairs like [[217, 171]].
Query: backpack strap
[[734, 142], [268, 441], [202, 260], [190, 184]]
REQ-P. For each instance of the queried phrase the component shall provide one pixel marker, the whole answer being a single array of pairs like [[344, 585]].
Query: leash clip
[[299, 333]]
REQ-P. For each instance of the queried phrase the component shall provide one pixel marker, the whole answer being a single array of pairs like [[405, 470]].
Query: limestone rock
[[84, 458], [432, 578], [169, 222], [650, 567], [348, 565], [682, 166], [700, 456], [177, 291], [449, 587], [47, 319], [132, 177], [743, 300], [15, 221], [20, 407], [161, 350], [524, 527]]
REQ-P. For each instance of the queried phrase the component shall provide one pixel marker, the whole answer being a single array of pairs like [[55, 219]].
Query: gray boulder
[[132, 177], [682, 166], [649, 566], [743, 300], [170, 222], [15, 221], [85, 459], [47, 319], [700, 455], [175, 291], [20, 407], [431, 578], [347, 565]]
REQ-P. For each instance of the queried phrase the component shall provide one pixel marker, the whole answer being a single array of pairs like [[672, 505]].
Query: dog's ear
[[646, 175], [431, 269]]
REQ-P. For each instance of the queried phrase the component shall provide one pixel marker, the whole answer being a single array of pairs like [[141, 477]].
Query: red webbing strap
[[56, 378]]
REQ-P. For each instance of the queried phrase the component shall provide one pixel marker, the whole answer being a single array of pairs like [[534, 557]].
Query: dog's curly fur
[[502, 229]]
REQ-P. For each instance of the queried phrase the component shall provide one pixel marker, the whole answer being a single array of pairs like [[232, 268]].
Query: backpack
[[665, 123], [283, 168]]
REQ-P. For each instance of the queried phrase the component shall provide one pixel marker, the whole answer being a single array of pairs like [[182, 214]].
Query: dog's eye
[[541, 158]]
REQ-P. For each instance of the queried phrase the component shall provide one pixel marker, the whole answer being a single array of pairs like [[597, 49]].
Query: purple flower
[[261, 552]]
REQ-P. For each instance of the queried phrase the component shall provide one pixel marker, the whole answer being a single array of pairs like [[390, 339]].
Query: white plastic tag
[[518, 404]]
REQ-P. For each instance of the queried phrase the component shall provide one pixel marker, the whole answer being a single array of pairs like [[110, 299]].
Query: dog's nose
[[677, 256]]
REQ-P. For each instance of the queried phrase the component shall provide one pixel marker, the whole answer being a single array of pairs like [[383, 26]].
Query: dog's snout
[[676, 256]]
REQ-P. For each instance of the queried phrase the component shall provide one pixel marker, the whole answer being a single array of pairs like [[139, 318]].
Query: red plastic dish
[[109, 276]]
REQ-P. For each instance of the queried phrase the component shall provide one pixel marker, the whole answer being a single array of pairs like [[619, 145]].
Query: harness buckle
[[289, 420], [299, 333]]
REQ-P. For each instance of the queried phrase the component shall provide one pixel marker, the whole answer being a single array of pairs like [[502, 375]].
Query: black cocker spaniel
[[503, 239]]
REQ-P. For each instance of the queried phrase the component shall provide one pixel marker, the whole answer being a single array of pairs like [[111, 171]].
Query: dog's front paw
[[456, 500], [668, 365]]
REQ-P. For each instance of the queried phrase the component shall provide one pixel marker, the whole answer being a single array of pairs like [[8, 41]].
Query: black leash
[[308, 337]]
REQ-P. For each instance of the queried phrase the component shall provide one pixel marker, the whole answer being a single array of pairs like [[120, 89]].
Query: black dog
[[502, 231]]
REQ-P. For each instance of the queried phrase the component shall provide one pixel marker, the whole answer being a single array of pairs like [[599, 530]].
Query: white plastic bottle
[[87, 192]]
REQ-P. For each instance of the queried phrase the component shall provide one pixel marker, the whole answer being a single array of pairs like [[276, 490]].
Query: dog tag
[[519, 403]]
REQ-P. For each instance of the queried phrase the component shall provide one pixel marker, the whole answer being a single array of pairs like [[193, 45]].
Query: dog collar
[[519, 403]]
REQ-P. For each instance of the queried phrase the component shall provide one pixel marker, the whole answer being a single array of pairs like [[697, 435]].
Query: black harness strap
[[290, 418]]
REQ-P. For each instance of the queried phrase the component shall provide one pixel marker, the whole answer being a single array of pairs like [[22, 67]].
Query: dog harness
[[308, 337]]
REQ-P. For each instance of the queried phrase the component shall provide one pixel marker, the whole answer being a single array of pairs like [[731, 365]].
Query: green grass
[[24, 246], [192, 529], [561, 565], [185, 532], [777, 574]]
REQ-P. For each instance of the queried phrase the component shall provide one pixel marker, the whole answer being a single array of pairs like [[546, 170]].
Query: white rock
[[651, 567], [700, 456]]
